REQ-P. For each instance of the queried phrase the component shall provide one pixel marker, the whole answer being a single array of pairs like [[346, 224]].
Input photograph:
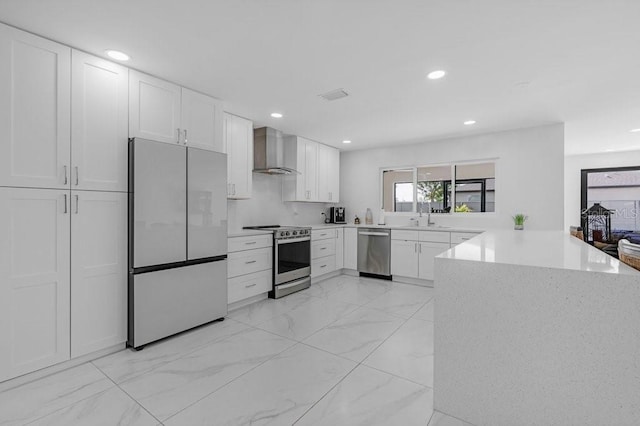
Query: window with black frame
[[434, 189], [475, 188], [611, 202]]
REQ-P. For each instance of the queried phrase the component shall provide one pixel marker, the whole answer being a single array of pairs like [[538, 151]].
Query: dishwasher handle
[[375, 234]]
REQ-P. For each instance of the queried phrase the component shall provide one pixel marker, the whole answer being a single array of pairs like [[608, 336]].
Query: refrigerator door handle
[[178, 131]]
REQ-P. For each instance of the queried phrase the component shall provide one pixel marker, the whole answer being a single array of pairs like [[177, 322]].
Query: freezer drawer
[[374, 251], [166, 302]]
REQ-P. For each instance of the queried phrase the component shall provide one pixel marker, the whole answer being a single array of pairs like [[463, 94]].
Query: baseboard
[[47, 371], [244, 302], [414, 281], [315, 280], [351, 272]]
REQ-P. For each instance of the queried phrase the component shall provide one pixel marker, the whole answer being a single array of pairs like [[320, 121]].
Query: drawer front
[[404, 235], [435, 236], [322, 266], [323, 248], [246, 286], [461, 237], [249, 261], [323, 234], [248, 243]]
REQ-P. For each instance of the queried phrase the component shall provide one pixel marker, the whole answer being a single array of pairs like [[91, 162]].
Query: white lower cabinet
[[327, 251], [404, 258], [249, 285], [427, 253], [413, 252], [34, 279], [351, 249], [339, 248], [98, 270], [249, 269], [62, 276]]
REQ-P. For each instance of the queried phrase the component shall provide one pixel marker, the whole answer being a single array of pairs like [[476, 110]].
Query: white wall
[[529, 175], [266, 207], [572, 167]]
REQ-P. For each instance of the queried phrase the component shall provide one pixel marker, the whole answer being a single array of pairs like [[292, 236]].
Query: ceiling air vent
[[334, 94]]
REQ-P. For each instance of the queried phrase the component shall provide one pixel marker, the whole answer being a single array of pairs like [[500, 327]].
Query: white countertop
[[396, 227], [548, 249], [247, 233]]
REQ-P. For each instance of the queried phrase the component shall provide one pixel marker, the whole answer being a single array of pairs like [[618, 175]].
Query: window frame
[[452, 185]]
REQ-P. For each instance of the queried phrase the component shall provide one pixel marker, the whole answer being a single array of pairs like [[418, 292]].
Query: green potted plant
[[518, 221]]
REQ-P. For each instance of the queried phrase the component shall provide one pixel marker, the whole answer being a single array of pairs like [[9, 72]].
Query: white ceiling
[[580, 59]]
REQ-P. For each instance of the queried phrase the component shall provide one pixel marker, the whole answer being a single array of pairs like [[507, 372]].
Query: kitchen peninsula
[[536, 327]]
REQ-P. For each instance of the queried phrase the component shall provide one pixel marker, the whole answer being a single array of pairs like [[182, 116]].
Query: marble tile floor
[[347, 351]]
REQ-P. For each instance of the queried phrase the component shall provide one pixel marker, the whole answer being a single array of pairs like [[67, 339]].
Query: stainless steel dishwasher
[[374, 251]]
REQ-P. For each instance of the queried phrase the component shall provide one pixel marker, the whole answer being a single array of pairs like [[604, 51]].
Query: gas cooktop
[[284, 231]]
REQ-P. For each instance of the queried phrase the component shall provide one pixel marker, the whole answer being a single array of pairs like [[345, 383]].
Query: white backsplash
[[266, 207]]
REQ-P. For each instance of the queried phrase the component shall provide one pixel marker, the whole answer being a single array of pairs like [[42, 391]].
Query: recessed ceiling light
[[276, 115], [469, 122], [634, 130], [346, 141], [434, 75], [117, 55]]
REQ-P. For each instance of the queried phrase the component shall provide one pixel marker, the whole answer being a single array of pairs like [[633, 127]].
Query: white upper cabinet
[[98, 270], [328, 174], [202, 121], [238, 136], [333, 175], [316, 163], [154, 108], [165, 112], [34, 279], [35, 99], [99, 124]]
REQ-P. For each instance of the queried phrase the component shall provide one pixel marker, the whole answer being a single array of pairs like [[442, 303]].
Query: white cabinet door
[[35, 96], [404, 258], [351, 248], [99, 118], [201, 121], [428, 251], [154, 109], [34, 279], [333, 174], [339, 248], [98, 270], [310, 169], [324, 153], [239, 146]]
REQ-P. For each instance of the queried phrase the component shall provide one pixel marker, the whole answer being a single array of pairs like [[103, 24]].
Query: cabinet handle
[[249, 262], [419, 248], [65, 175], [323, 266], [77, 176], [323, 248], [185, 136], [250, 285], [251, 242], [178, 130], [77, 202], [415, 247], [65, 203], [322, 235]]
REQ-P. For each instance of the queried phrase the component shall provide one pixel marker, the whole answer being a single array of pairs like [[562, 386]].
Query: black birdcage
[[597, 223]]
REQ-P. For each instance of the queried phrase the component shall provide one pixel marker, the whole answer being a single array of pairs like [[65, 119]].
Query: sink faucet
[[429, 222]]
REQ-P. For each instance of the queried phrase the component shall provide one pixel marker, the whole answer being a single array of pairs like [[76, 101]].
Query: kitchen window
[[464, 187]]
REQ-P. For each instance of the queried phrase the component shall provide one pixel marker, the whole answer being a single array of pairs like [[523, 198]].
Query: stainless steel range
[[291, 259]]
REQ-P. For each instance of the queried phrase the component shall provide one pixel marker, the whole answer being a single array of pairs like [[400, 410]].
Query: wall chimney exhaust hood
[[268, 152]]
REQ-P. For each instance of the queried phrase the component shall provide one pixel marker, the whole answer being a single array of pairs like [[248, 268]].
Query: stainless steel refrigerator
[[177, 239]]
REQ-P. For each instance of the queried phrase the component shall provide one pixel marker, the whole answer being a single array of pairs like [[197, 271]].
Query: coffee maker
[[337, 215]]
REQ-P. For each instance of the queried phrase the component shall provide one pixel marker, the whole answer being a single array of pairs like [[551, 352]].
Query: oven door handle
[[293, 240]]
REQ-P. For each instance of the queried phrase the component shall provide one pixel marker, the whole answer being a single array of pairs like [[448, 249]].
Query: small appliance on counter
[[337, 215]]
